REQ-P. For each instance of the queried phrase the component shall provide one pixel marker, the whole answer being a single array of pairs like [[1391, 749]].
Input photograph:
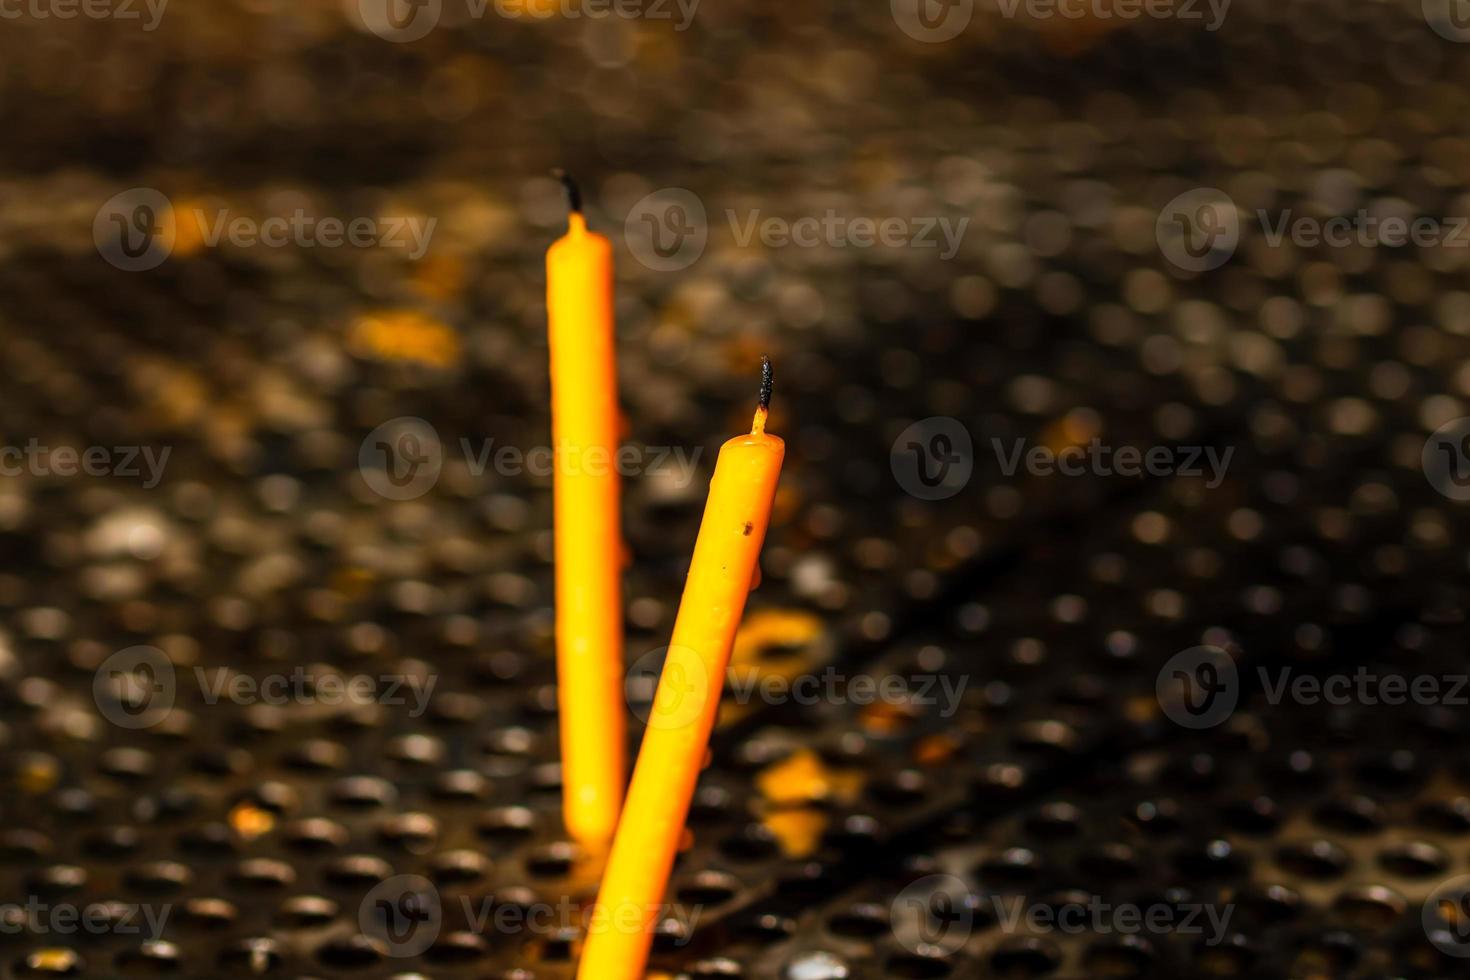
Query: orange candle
[[721, 575], [588, 539]]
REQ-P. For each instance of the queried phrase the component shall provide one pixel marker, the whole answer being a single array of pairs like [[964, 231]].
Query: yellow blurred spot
[[788, 503], [804, 778], [936, 749], [251, 821], [1141, 709], [586, 871], [880, 718], [404, 335], [38, 776], [187, 227], [797, 831], [353, 582], [1071, 430], [764, 630], [53, 961], [770, 643], [439, 276], [175, 396]]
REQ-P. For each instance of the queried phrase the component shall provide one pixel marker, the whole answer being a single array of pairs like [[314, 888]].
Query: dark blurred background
[[1109, 225]]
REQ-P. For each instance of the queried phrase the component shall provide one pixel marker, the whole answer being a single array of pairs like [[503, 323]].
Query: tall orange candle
[[721, 575], [588, 539]]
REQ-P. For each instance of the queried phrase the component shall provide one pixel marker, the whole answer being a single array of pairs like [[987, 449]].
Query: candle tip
[[758, 426], [574, 193]]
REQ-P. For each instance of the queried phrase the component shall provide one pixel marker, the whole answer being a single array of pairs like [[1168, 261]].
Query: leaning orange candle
[[588, 540], [721, 575]]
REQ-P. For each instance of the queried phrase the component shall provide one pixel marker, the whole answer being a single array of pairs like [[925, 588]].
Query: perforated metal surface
[[240, 838]]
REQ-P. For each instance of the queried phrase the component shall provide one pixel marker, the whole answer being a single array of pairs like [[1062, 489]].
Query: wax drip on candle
[[758, 426], [574, 193]]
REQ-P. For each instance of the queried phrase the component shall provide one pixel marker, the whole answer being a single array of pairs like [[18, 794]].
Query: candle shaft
[[721, 575], [588, 539]]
